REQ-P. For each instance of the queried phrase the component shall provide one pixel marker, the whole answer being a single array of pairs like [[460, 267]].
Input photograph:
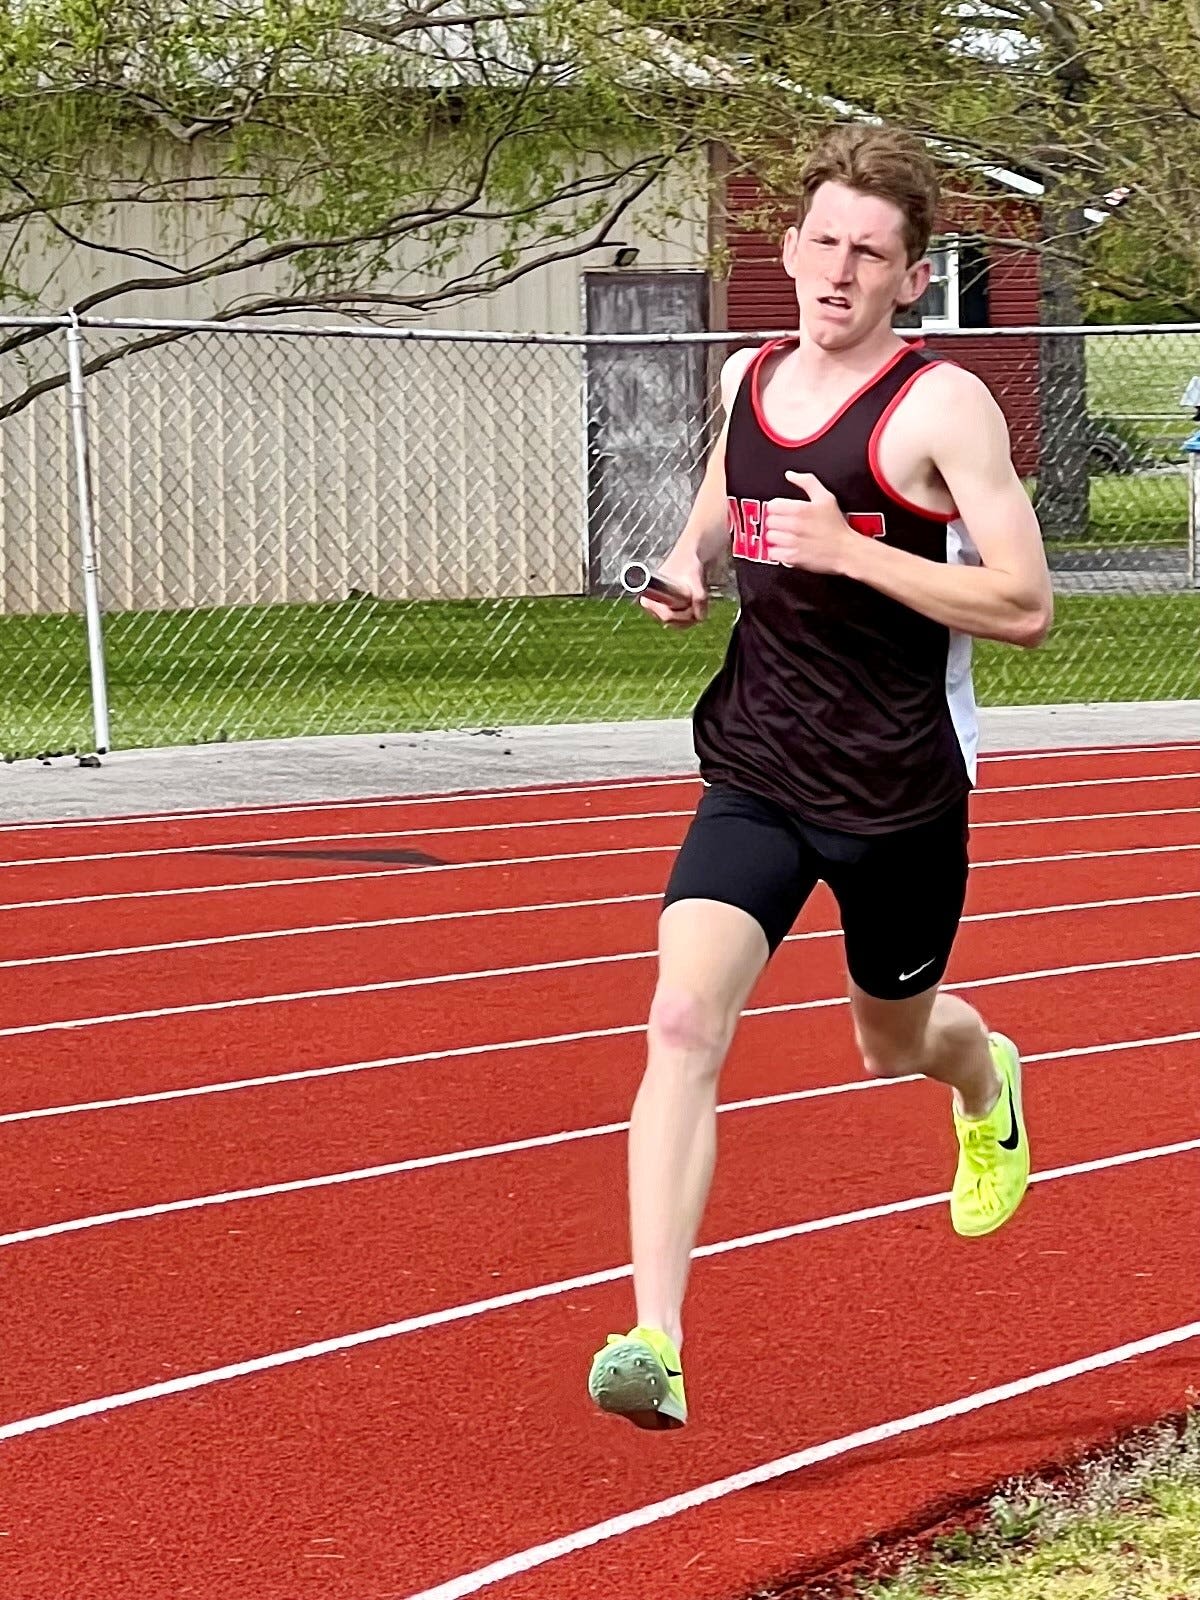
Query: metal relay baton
[[638, 579]]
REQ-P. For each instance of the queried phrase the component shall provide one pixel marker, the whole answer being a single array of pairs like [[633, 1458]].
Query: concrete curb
[[359, 766]]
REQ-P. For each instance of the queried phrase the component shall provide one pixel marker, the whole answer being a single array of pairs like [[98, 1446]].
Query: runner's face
[[850, 266]]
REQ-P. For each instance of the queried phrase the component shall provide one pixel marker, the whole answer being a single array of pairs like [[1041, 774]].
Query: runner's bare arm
[[705, 536], [706, 532], [1009, 597]]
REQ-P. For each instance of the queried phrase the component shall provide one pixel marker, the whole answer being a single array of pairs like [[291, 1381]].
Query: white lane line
[[502, 862], [336, 991], [542, 1291], [470, 796], [1084, 783], [541, 1141], [331, 927], [485, 974], [1085, 751], [248, 846], [374, 923], [357, 877], [383, 803], [303, 1075], [541, 1555], [1089, 816], [348, 1068]]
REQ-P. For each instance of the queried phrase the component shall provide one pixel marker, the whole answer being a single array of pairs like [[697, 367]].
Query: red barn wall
[[759, 297]]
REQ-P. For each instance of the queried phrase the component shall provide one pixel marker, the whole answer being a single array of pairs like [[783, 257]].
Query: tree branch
[[275, 304]]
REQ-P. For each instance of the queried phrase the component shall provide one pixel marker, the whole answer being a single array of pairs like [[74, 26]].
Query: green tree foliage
[[323, 136], [342, 154]]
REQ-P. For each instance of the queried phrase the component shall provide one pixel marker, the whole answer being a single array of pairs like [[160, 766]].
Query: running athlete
[[838, 740]]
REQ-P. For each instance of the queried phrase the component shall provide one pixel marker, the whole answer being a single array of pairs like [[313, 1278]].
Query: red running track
[[313, 1210]]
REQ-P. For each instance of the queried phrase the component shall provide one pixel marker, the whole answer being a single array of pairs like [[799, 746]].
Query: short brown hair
[[885, 162]]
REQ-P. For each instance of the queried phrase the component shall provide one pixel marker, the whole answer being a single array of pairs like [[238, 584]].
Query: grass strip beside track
[[1125, 1523], [282, 671]]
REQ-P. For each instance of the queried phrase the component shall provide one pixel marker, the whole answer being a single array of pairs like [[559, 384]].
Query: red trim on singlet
[[873, 455], [796, 444]]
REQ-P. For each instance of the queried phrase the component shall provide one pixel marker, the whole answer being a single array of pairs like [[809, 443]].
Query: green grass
[[272, 672], [1140, 379], [1102, 647], [1149, 508], [367, 666], [1124, 1527], [1149, 1551], [1138, 510]]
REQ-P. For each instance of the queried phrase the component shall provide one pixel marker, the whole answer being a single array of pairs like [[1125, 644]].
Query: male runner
[[838, 740]]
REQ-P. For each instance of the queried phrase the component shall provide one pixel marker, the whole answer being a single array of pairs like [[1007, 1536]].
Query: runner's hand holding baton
[[672, 602]]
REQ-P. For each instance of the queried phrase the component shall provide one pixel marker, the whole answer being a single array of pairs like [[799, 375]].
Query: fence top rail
[[481, 336], [9, 321]]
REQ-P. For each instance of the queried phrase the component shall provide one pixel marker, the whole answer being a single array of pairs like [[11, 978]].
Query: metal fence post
[[87, 540], [1192, 450]]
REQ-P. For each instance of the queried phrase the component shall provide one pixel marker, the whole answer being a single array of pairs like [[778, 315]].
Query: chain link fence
[[352, 530]]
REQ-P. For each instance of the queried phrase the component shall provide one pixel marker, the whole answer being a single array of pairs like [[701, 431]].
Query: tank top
[[846, 707]]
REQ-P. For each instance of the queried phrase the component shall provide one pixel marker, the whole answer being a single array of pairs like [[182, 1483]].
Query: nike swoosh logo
[[905, 976], [671, 1373], [1014, 1136]]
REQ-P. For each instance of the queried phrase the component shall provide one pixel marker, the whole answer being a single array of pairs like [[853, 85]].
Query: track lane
[[1007, 804], [166, 1152], [1039, 853], [274, 1272], [267, 862], [378, 1452], [1152, 997], [834, 1515], [490, 810], [1023, 769], [147, 1055], [1082, 796], [1112, 823], [808, 973], [437, 951], [58, 930]]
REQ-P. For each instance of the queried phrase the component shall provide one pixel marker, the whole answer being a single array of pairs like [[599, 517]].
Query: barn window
[[939, 306]]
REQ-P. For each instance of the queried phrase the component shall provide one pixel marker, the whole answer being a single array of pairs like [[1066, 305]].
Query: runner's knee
[[685, 1024], [889, 1055]]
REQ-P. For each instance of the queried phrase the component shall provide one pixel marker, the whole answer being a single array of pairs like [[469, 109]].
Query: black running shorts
[[900, 894]]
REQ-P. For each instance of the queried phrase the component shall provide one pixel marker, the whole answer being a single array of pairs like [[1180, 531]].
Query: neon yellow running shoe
[[993, 1159], [639, 1375]]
